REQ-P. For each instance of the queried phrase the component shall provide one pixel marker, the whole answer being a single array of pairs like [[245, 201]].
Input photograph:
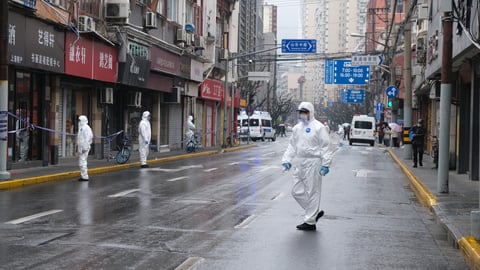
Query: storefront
[[132, 95], [166, 66], [92, 67], [211, 93], [35, 57]]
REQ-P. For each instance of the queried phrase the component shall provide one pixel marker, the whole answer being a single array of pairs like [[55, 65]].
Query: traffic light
[[390, 104]]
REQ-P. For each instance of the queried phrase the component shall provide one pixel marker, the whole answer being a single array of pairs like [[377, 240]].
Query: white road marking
[[245, 222], [123, 193], [362, 172], [178, 178], [233, 163], [28, 218], [181, 168], [190, 263], [210, 170]]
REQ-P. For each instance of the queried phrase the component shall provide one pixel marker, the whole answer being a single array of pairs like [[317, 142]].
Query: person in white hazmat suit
[[308, 150], [189, 128], [84, 140], [144, 136]]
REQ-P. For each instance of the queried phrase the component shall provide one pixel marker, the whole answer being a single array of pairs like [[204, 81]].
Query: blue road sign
[[342, 72], [391, 91], [379, 107], [352, 96], [299, 45]]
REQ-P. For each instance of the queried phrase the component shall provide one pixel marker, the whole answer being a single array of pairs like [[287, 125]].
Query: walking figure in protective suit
[[144, 136], [309, 150], [189, 128], [84, 140]]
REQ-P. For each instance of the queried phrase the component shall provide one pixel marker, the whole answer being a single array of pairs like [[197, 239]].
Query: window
[[172, 10], [363, 124], [189, 13], [161, 7]]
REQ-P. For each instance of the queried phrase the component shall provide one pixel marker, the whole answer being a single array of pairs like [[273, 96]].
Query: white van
[[362, 129], [260, 125]]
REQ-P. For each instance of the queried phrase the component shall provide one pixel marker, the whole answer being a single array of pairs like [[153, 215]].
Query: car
[[362, 130]]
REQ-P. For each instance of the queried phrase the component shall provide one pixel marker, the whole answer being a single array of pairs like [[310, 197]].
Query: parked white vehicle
[[259, 126]]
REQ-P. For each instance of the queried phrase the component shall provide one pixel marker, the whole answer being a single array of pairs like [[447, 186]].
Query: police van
[[259, 126], [362, 130]]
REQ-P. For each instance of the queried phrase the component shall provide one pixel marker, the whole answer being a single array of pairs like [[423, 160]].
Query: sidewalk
[[452, 209], [32, 172]]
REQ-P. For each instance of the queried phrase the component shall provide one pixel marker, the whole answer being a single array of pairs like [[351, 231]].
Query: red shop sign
[[90, 59], [105, 62], [212, 89], [78, 56]]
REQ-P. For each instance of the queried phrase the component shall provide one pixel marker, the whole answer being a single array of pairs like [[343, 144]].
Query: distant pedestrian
[[144, 136], [418, 142], [189, 128], [84, 141], [346, 132], [380, 133], [387, 134], [309, 147]]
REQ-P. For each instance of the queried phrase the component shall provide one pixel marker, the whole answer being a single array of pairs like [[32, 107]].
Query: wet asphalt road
[[228, 211]]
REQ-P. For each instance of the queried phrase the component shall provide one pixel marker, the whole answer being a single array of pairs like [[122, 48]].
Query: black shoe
[[306, 227], [319, 215], [421, 164], [144, 166], [82, 179], [414, 165]]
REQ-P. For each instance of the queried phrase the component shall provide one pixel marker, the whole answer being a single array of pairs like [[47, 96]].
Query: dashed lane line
[[31, 217], [123, 193], [178, 178]]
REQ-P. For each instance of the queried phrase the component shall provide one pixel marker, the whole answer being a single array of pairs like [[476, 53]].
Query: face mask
[[303, 116]]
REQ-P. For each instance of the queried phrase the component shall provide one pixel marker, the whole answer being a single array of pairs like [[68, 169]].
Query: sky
[[288, 18]]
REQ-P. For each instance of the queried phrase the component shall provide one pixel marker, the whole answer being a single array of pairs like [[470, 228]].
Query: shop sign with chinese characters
[[90, 59], [45, 46]]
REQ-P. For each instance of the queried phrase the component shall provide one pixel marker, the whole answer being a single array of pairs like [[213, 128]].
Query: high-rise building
[[330, 22]]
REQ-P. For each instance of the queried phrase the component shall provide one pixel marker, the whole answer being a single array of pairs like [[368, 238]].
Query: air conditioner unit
[[174, 96], [135, 99], [117, 8], [106, 95], [181, 35], [86, 24], [199, 42], [151, 20], [422, 12]]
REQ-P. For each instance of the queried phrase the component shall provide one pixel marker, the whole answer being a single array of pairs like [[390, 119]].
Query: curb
[[467, 244], [11, 184]]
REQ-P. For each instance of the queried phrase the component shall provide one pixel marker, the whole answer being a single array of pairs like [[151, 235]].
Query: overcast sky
[[288, 18]]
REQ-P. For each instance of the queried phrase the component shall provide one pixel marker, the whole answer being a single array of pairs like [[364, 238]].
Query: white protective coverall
[[189, 128], [84, 140], [144, 136], [308, 150]]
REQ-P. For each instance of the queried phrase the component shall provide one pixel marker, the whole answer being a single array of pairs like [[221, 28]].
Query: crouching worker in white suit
[[84, 140], [144, 136], [308, 150]]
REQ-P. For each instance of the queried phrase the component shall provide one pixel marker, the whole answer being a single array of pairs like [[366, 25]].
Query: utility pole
[[4, 175], [407, 69], [445, 99]]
